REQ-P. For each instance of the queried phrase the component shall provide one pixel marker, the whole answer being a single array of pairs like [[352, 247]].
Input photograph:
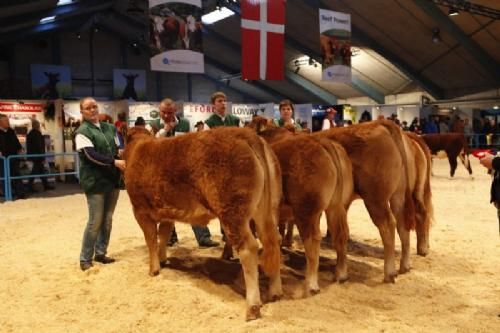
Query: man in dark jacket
[[492, 162], [9, 145], [35, 144]]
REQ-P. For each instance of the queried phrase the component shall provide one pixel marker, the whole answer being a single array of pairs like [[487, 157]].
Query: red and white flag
[[262, 39]]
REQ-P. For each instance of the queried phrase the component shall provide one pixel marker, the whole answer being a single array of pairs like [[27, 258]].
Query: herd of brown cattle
[[271, 176]]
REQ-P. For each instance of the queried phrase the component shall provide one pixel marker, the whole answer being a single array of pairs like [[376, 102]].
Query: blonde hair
[[83, 100], [216, 95], [167, 101]]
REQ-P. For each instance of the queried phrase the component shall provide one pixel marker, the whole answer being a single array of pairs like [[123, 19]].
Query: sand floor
[[454, 289]]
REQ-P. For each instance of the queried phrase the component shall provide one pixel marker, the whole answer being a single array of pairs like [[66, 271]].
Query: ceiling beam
[[11, 24], [236, 90], [70, 23], [489, 64]]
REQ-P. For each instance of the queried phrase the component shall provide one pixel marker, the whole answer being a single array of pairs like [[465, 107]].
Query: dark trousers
[[202, 234], [38, 169], [17, 184]]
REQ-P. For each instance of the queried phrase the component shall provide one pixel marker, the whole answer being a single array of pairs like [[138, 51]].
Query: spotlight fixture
[[436, 36], [96, 29], [78, 35], [453, 12]]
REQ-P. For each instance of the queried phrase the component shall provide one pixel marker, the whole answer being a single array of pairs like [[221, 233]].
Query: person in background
[[10, 145], [468, 132], [140, 122], [97, 146], [286, 115], [220, 117], [492, 162], [329, 121], [200, 126], [35, 144], [173, 126]]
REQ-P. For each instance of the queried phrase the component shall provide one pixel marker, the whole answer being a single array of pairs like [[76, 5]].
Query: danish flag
[[262, 39]]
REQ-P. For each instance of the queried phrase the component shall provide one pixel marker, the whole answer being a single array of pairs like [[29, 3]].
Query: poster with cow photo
[[335, 43], [129, 84], [50, 81], [175, 36]]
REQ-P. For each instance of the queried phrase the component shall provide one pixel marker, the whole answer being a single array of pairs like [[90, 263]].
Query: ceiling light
[[64, 2], [436, 37], [453, 12], [47, 19], [496, 107], [217, 15]]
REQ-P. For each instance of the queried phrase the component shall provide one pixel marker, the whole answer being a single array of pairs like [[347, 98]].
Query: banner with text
[[303, 115], [335, 42], [196, 112], [175, 36]]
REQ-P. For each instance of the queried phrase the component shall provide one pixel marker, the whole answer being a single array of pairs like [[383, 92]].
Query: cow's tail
[[268, 230], [409, 206]]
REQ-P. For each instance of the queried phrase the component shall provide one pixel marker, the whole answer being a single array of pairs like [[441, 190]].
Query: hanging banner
[[303, 116], [175, 36], [262, 39], [50, 81], [335, 40], [129, 84]]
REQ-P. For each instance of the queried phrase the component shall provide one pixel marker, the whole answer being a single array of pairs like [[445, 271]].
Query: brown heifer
[[419, 161], [317, 177], [454, 145], [380, 171], [228, 173]]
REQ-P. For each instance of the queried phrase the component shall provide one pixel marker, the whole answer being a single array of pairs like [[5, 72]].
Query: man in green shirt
[[173, 126], [220, 117]]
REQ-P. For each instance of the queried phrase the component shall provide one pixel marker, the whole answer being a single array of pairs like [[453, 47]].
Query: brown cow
[[228, 173], [454, 145], [419, 166], [317, 177], [380, 170]]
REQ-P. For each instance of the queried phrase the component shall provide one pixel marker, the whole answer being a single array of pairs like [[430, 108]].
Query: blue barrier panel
[[3, 176], [9, 178]]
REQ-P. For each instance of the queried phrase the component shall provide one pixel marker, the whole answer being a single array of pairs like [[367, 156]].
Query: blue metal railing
[[8, 178], [3, 178]]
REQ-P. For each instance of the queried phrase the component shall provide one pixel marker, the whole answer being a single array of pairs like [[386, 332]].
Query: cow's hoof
[[253, 312], [313, 292], [275, 298], [154, 273], [403, 270], [422, 253], [390, 279], [342, 280], [163, 264]]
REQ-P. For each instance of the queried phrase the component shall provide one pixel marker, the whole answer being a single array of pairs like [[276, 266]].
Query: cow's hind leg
[[149, 229], [308, 225], [336, 217], [397, 207], [384, 220], [246, 244], [453, 165], [164, 233]]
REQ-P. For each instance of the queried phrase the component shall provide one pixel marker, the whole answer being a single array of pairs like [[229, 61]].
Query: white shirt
[[81, 141], [326, 124], [162, 132]]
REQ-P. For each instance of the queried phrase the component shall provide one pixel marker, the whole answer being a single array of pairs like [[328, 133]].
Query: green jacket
[[281, 123], [229, 120], [97, 178], [181, 127]]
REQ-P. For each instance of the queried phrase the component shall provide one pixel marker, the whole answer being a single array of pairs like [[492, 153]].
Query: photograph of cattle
[[175, 26], [129, 84], [50, 81]]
